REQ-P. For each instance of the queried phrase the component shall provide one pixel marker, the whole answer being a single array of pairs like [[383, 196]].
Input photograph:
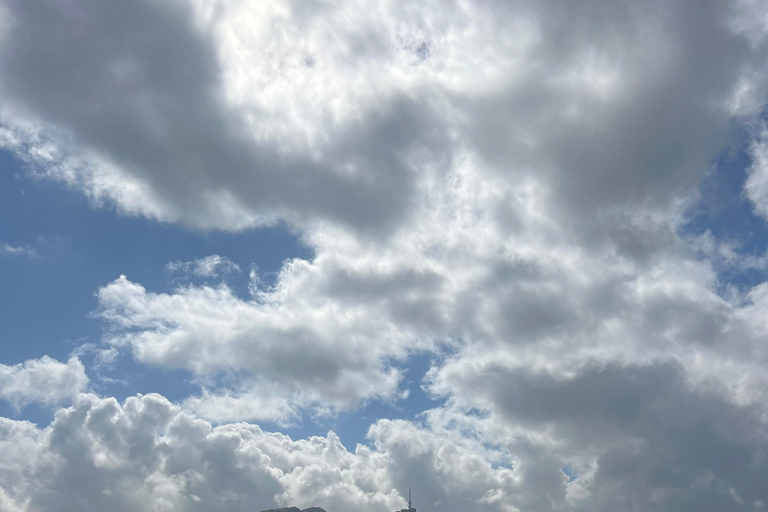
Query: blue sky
[[510, 254], [80, 247], [726, 212]]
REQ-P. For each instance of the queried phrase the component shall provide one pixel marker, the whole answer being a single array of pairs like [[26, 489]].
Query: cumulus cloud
[[43, 380], [147, 454], [645, 441], [276, 354], [640, 437], [501, 183], [242, 115], [166, 129]]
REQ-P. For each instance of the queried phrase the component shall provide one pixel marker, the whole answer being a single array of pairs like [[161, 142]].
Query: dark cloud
[[140, 84], [658, 442]]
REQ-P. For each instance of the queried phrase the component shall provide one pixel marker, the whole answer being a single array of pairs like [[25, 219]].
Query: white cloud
[[291, 358], [756, 186], [147, 454], [330, 112], [643, 440], [43, 380], [14, 250], [210, 266], [501, 179]]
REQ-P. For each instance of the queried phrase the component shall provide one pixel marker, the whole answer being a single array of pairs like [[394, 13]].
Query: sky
[[512, 254]]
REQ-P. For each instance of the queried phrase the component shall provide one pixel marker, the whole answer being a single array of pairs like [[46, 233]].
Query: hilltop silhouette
[[318, 509], [294, 509]]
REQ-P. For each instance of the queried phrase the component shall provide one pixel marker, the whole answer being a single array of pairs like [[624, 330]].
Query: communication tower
[[410, 505]]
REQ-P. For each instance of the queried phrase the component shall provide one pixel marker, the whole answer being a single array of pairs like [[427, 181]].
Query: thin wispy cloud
[[210, 266], [7, 249]]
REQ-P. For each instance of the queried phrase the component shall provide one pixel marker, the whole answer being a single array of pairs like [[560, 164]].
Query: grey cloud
[[406, 293], [527, 175], [641, 144], [658, 442], [139, 84], [142, 85]]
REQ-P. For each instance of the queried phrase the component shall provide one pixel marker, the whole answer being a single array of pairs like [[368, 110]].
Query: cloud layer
[[146, 454], [502, 185], [656, 445]]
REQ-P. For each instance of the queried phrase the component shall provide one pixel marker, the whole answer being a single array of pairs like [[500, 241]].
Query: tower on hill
[[410, 506]]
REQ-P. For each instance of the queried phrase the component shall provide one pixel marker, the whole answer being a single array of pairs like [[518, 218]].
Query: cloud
[[17, 251], [332, 331], [141, 455], [645, 441], [545, 223], [500, 184], [217, 121], [270, 351], [756, 186], [640, 437], [164, 115], [148, 454], [45, 381], [210, 266]]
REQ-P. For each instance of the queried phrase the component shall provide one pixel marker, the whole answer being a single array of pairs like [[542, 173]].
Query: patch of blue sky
[[569, 472], [46, 301], [728, 215], [41, 415]]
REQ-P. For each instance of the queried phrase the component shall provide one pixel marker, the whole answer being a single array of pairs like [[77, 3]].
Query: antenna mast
[[410, 503]]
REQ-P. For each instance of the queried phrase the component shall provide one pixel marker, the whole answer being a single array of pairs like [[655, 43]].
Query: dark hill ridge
[[294, 509]]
